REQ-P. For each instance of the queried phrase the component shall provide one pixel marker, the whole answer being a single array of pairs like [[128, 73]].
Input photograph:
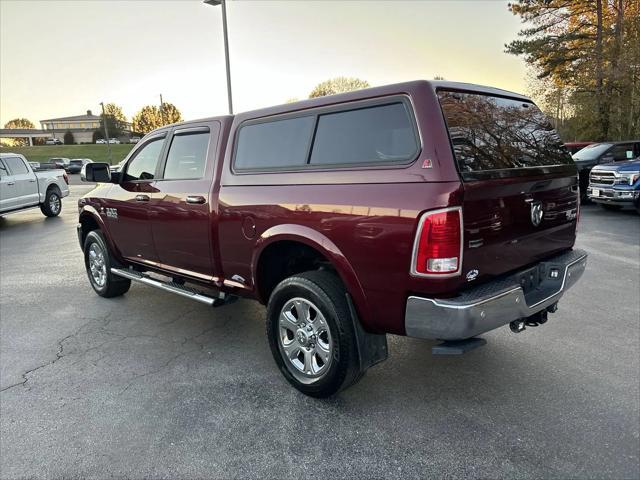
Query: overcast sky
[[61, 58]]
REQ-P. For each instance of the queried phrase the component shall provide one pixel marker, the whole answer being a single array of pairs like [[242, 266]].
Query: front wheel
[[52, 205], [98, 263], [311, 333]]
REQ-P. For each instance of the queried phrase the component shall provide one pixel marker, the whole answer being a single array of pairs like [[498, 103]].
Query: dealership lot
[[152, 385]]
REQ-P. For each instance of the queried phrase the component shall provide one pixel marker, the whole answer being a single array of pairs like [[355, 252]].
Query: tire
[[611, 208], [322, 354], [52, 205], [98, 261]]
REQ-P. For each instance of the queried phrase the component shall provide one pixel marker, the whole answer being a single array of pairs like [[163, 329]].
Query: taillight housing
[[66, 178], [437, 249]]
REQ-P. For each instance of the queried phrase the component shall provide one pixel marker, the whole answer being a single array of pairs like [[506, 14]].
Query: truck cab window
[[3, 170], [187, 156], [144, 163], [16, 165]]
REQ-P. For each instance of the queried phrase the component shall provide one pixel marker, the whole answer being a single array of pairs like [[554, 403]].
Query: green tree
[[97, 135], [18, 123], [338, 85], [115, 111], [147, 119], [68, 138], [115, 118], [151, 117], [588, 51], [169, 114]]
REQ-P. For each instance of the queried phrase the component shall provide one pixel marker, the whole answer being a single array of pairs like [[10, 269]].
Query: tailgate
[[520, 200], [511, 223]]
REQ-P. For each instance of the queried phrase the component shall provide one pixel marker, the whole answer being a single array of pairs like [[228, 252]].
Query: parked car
[[101, 141], [575, 147], [59, 162], [114, 140], [134, 139], [616, 185], [414, 209], [53, 141], [599, 153], [76, 164], [22, 188]]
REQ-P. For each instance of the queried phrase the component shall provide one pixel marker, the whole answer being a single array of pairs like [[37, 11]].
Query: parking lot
[[152, 385]]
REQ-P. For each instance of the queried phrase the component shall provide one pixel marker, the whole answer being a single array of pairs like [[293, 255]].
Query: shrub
[[68, 138]]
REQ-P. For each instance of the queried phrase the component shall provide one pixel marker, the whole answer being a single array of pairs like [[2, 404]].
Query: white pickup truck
[[22, 188]]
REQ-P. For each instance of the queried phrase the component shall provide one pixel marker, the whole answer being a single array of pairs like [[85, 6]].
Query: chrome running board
[[176, 288]]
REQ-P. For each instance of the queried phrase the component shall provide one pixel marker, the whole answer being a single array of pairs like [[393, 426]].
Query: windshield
[[592, 151], [496, 133], [76, 162]]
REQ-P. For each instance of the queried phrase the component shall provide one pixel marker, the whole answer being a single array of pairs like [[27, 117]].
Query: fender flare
[[316, 240], [91, 212]]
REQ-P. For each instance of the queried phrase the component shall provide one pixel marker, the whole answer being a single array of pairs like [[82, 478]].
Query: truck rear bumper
[[496, 303]]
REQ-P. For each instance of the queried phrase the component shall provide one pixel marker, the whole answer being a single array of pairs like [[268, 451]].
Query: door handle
[[142, 198], [196, 199], [11, 183], [33, 180]]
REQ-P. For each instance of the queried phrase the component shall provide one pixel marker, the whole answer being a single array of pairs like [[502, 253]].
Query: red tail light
[[66, 177], [437, 250]]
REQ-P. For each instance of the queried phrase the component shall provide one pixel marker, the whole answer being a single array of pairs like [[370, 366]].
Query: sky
[[61, 58]]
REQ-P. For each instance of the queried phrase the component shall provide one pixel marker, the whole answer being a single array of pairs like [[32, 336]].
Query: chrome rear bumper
[[493, 304]]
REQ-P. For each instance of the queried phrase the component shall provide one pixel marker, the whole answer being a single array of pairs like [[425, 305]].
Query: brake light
[[66, 178], [438, 246]]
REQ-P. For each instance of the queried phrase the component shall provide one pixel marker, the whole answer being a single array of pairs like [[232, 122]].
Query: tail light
[[66, 178], [437, 251]]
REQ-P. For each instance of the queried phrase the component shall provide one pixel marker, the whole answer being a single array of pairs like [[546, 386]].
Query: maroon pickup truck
[[436, 210]]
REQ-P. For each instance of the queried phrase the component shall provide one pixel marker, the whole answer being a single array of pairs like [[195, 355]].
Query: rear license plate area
[[530, 279]]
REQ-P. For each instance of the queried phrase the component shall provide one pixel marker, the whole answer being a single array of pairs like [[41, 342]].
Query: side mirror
[[96, 172], [608, 158]]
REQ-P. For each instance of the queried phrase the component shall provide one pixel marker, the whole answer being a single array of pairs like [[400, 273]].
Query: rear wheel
[[98, 262], [311, 333], [52, 205]]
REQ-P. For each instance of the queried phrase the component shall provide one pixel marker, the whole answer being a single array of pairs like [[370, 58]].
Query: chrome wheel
[[97, 265], [54, 203], [304, 340]]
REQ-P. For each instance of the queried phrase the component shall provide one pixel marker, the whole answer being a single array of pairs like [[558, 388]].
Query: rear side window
[[16, 165], [187, 156], [275, 144], [382, 133], [495, 133], [3, 170]]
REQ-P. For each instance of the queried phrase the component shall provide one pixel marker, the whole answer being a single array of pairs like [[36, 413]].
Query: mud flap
[[372, 348]]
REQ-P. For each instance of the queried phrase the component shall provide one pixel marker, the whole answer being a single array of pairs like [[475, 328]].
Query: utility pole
[[223, 3], [161, 110], [106, 133]]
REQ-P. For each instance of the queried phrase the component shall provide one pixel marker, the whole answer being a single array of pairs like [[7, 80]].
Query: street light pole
[[226, 47], [106, 133]]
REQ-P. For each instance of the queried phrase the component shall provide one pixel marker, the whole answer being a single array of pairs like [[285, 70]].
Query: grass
[[97, 153]]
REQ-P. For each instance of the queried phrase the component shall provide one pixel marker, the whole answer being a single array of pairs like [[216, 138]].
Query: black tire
[[107, 284], [611, 208], [52, 205], [326, 292]]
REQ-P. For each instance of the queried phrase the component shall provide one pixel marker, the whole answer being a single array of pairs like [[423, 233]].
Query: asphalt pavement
[[151, 385]]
